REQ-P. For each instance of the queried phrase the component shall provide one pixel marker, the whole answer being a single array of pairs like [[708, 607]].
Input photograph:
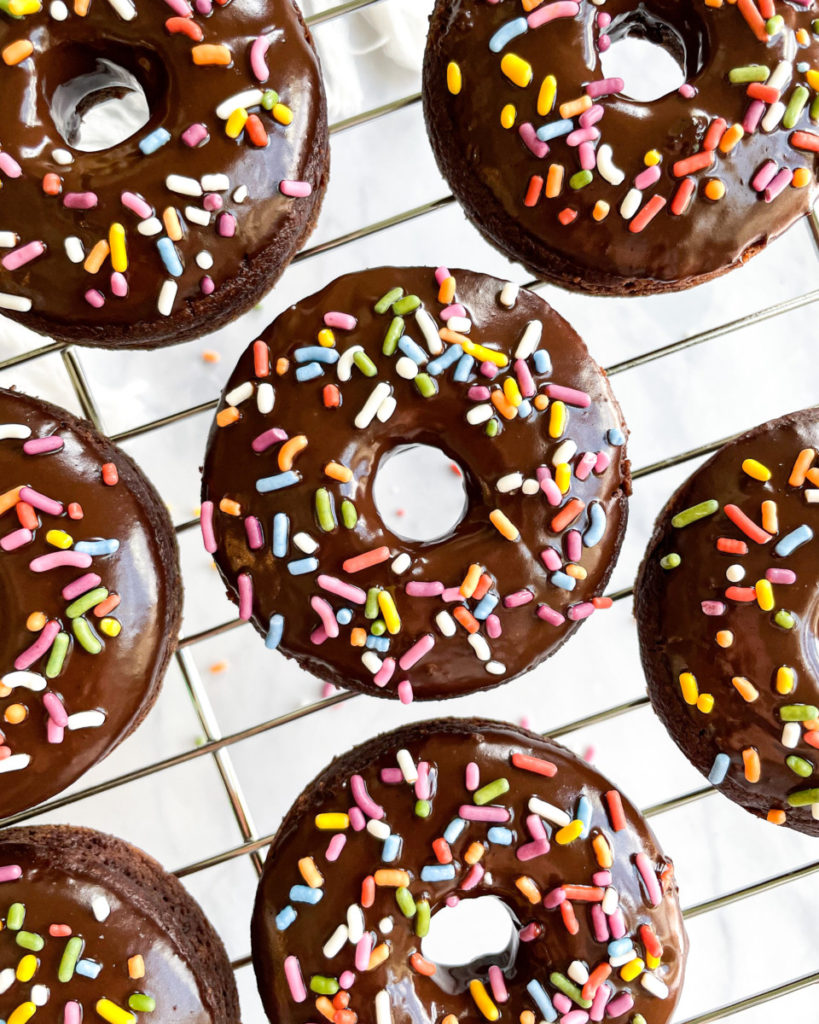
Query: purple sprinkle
[[773, 575], [753, 115], [478, 393], [267, 439], [531, 141], [713, 608], [551, 559]]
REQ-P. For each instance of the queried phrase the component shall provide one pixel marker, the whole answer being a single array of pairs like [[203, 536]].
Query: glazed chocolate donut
[[184, 225], [90, 597], [421, 818], [562, 170], [727, 609], [94, 929], [385, 359]]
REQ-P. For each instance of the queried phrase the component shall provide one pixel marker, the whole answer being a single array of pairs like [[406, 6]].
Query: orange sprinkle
[[596, 979], [691, 164], [645, 216], [446, 292], [503, 525], [716, 130], [541, 402], [230, 507], [261, 359], [760, 91], [750, 757], [770, 517], [503, 405], [230, 414], [368, 892], [211, 356], [17, 51], [392, 878], [442, 851], [714, 189], [805, 140], [366, 560], [533, 190], [341, 1000], [804, 460], [256, 131], [527, 886], [81, 7], [16, 713], [616, 813], [527, 1017], [569, 917], [326, 1008], [570, 511], [572, 108], [217, 667], [602, 851], [813, 476], [27, 516], [9, 499], [98, 255], [466, 619], [749, 11], [110, 474], [483, 587], [576, 571], [731, 138], [601, 210], [36, 621], [584, 893], [338, 472], [802, 37], [554, 181], [52, 184], [776, 817], [725, 638], [474, 853], [732, 547], [421, 965], [289, 450], [186, 27], [108, 605], [331, 396], [136, 967], [683, 196], [358, 636], [602, 602], [471, 580], [745, 688], [75, 510], [170, 218], [210, 53], [567, 216]]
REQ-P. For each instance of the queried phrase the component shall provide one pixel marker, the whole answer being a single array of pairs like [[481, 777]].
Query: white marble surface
[[673, 404]]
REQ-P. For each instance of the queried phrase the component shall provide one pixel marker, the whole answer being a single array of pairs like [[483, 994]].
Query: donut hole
[[467, 938], [419, 493]]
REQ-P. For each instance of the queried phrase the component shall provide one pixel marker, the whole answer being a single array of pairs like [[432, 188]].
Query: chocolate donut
[[562, 170], [396, 357], [93, 928], [418, 819], [90, 597], [727, 610], [178, 229]]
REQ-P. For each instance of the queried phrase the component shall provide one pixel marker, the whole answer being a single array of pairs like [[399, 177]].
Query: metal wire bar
[[339, 11], [755, 1000]]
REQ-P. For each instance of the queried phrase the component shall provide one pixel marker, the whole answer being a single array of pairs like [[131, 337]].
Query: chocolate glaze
[[232, 469], [489, 168], [448, 745], [123, 680], [66, 872], [676, 636], [270, 226]]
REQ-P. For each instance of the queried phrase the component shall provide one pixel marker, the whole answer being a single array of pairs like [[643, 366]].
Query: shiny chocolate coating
[[140, 934], [111, 691], [740, 639], [223, 235], [490, 168], [501, 860], [523, 610]]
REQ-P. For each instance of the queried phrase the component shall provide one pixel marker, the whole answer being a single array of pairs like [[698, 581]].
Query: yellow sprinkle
[[770, 517], [173, 227], [24, 1012], [454, 78], [785, 679], [745, 688], [326, 338], [512, 391], [725, 638], [477, 990], [705, 703], [569, 832], [484, 354], [557, 419], [27, 968], [59, 539], [98, 255], [136, 967], [633, 969], [690, 690], [282, 113], [114, 1014], [601, 210], [652, 158], [813, 79], [572, 108], [527, 886], [602, 851], [546, 96], [503, 525], [391, 617], [20, 8], [334, 820], [563, 477], [116, 242], [577, 571], [111, 627], [765, 595], [516, 69], [508, 116], [234, 126], [756, 470], [310, 873], [652, 962]]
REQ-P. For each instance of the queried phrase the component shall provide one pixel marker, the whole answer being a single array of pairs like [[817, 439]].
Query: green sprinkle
[[406, 904], [581, 179], [814, 110], [378, 628], [269, 99], [68, 961], [349, 515], [86, 602], [492, 428], [696, 512], [426, 385], [16, 916], [569, 989], [798, 712], [30, 940], [323, 986], [670, 561], [365, 364], [774, 25], [486, 794], [56, 657], [815, 26], [749, 73], [86, 636], [325, 512], [371, 605], [394, 332], [796, 104], [784, 619], [799, 766], [804, 797], [141, 1003], [422, 918], [406, 305], [423, 808], [384, 303]]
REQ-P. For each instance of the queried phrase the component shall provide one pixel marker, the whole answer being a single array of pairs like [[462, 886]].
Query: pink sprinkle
[[442, 274], [81, 585], [753, 115], [212, 202], [580, 611], [9, 166], [357, 819], [80, 200], [327, 690], [10, 872], [779, 184], [267, 439], [119, 285], [194, 135], [574, 546], [450, 594], [780, 575], [473, 776], [39, 647], [258, 65], [363, 952], [649, 877], [493, 626], [456, 309], [603, 43], [342, 321], [404, 690], [253, 529], [764, 176], [474, 875], [478, 393], [687, 91], [497, 984], [226, 225], [561, 9], [489, 370], [341, 589], [603, 20], [575, 1017], [617, 924], [551, 559], [43, 445], [206, 524], [206, 285], [604, 86], [23, 254], [712, 607], [531, 850], [530, 932], [417, 588], [245, 595], [554, 898], [648, 177], [57, 559], [16, 539], [72, 1013], [494, 814], [384, 675], [585, 465], [346, 979], [571, 396], [358, 788], [531, 141], [620, 1005], [296, 189], [324, 610], [550, 615], [335, 846], [392, 776], [95, 298], [55, 709], [591, 116], [417, 651], [136, 204], [603, 462], [562, 1003], [601, 997], [525, 380], [537, 830], [422, 785], [519, 598], [580, 135], [599, 923], [203, 7], [181, 7], [292, 970], [587, 156]]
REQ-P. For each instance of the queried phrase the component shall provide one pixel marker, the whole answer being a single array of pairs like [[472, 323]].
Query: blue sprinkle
[[616, 437], [524, 409], [391, 848], [309, 371], [802, 67], [154, 141], [445, 359], [302, 566], [454, 829], [412, 349], [544, 1003], [563, 580], [437, 872], [463, 369], [597, 525], [554, 129], [344, 616], [274, 632], [619, 947], [266, 484], [485, 606], [305, 894], [170, 257], [281, 531], [542, 361], [793, 540], [285, 918], [584, 813], [377, 643], [506, 33], [97, 547], [500, 835], [318, 353], [88, 968], [719, 769]]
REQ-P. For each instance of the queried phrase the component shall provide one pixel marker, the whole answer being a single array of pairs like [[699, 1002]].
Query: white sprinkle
[[386, 409], [613, 175], [8, 239], [383, 1013], [477, 642], [344, 366], [73, 249], [196, 215], [445, 622], [781, 75], [240, 393], [30, 680], [654, 985], [204, 260], [124, 8], [530, 486], [265, 397], [18, 303], [7, 979], [40, 994], [14, 432], [165, 300], [814, 810], [355, 923], [479, 414], [631, 204], [510, 482], [58, 10], [564, 452], [461, 324], [495, 668], [385, 925], [85, 720], [150, 226], [14, 763], [623, 959], [735, 573], [215, 182], [370, 661], [610, 900], [183, 185], [401, 563], [379, 829], [529, 340], [380, 392], [791, 734], [430, 332], [407, 368], [773, 116], [336, 942], [407, 766], [812, 496], [62, 156], [548, 811], [304, 542], [100, 908], [509, 294], [240, 194], [578, 972], [248, 98]]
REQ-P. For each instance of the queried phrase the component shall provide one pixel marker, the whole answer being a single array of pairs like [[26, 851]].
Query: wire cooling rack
[[692, 371]]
